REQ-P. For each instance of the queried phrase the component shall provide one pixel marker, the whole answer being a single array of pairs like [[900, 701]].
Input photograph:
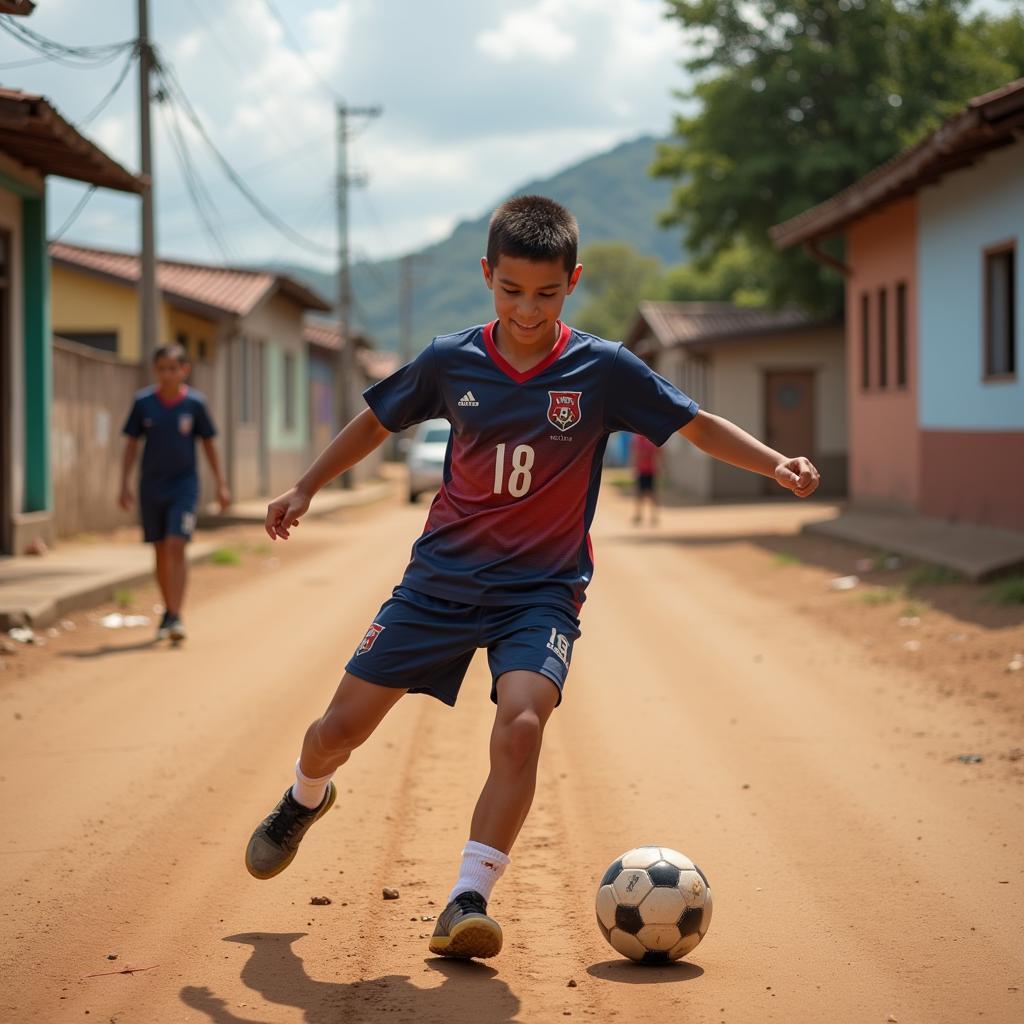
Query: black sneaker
[[276, 840], [176, 629], [464, 929], [163, 631]]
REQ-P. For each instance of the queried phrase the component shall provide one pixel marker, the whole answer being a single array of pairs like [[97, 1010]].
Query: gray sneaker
[[176, 629], [276, 840], [464, 930]]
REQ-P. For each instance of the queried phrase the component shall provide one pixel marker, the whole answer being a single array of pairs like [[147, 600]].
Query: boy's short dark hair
[[176, 352], [533, 228]]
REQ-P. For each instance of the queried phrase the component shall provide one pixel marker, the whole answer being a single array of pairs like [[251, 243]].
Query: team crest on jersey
[[370, 639], [564, 409], [185, 424]]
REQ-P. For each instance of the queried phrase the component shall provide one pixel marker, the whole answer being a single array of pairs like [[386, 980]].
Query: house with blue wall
[[935, 336]]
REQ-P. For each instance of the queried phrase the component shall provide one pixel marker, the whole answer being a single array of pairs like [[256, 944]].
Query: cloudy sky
[[477, 98]]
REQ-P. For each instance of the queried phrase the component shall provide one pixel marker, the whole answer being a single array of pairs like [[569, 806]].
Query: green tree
[[615, 279], [796, 99]]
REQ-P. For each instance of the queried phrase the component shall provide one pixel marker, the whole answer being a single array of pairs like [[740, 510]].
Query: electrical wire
[[102, 105], [176, 94], [73, 215], [70, 56], [296, 46], [201, 201]]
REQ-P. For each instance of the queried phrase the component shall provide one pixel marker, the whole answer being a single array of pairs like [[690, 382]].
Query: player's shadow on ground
[[469, 994], [629, 973]]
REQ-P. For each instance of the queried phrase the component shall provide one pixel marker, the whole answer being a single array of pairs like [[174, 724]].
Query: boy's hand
[[283, 513], [798, 475], [124, 499], [223, 498]]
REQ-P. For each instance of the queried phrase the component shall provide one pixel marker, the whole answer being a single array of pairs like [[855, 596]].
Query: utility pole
[[346, 181], [147, 276], [405, 307]]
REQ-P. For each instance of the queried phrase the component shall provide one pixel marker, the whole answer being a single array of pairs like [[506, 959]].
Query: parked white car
[[425, 457]]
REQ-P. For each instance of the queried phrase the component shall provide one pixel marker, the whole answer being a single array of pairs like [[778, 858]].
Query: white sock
[[309, 792], [481, 868]]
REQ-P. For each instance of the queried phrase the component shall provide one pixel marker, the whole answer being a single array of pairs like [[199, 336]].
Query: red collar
[[521, 376], [178, 398]]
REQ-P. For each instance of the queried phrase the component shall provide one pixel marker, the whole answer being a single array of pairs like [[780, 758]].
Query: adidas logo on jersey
[[468, 399]]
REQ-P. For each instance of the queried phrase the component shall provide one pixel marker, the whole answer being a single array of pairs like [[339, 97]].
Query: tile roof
[[986, 123], [699, 323], [34, 134], [221, 290], [376, 365]]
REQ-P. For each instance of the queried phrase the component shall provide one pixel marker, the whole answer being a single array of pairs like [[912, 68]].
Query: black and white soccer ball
[[654, 905]]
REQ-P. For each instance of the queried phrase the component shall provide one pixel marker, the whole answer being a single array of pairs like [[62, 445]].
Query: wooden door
[[789, 414]]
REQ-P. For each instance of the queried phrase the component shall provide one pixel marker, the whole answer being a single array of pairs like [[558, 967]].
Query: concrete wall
[[732, 384], [276, 325], [884, 436], [92, 394]]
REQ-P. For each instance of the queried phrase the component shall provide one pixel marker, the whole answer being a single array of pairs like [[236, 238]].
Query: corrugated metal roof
[[224, 290], [34, 134], [699, 323], [987, 122]]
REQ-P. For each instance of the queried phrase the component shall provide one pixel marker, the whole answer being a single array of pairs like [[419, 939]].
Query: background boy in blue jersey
[[170, 415], [505, 557]]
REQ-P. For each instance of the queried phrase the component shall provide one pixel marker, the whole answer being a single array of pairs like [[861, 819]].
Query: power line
[[70, 56], [102, 105], [176, 94], [296, 47], [238, 64], [73, 215], [201, 201]]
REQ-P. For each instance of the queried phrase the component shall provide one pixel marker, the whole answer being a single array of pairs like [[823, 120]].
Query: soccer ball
[[654, 905]]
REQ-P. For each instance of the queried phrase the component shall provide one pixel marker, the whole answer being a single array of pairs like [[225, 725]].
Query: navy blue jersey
[[169, 457], [511, 521]]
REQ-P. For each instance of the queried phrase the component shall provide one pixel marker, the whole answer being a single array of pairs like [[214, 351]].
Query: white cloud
[[478, 98], [533, 32]]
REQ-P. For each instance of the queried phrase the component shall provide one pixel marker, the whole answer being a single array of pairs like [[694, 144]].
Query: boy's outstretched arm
[[362, 435], [725, 441], [223, 494], [131, 448]]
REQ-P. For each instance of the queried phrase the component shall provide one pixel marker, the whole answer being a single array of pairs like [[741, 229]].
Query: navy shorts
[[645, 482], [425, 644], [164, 516]]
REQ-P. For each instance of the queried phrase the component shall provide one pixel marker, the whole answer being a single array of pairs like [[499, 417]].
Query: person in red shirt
[[645, 455]]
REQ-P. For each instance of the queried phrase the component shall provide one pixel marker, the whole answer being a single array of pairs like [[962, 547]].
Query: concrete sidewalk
[[977, 552], [36, 590], [329, 500]]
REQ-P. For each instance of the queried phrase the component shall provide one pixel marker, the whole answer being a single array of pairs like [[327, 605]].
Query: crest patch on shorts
[[370, 638], [564, 409]]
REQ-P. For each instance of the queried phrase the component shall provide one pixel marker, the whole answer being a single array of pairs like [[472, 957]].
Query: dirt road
[[858, 875]]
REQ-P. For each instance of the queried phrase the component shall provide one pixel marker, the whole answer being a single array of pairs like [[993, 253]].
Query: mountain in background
[[612, 195]]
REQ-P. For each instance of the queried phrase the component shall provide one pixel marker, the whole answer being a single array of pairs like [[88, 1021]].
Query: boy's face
[[170, 374], [528, 297]]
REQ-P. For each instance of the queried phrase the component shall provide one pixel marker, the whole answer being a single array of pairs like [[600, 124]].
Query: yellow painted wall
[[84, 302]]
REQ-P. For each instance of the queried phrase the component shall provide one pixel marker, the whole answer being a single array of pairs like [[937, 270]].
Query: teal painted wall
[[38, 494]]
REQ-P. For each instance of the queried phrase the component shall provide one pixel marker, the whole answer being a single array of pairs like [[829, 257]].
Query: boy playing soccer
[[171, 416], [505, 557]]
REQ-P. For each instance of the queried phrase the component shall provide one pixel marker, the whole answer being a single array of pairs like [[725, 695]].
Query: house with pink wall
[[935, 340]]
